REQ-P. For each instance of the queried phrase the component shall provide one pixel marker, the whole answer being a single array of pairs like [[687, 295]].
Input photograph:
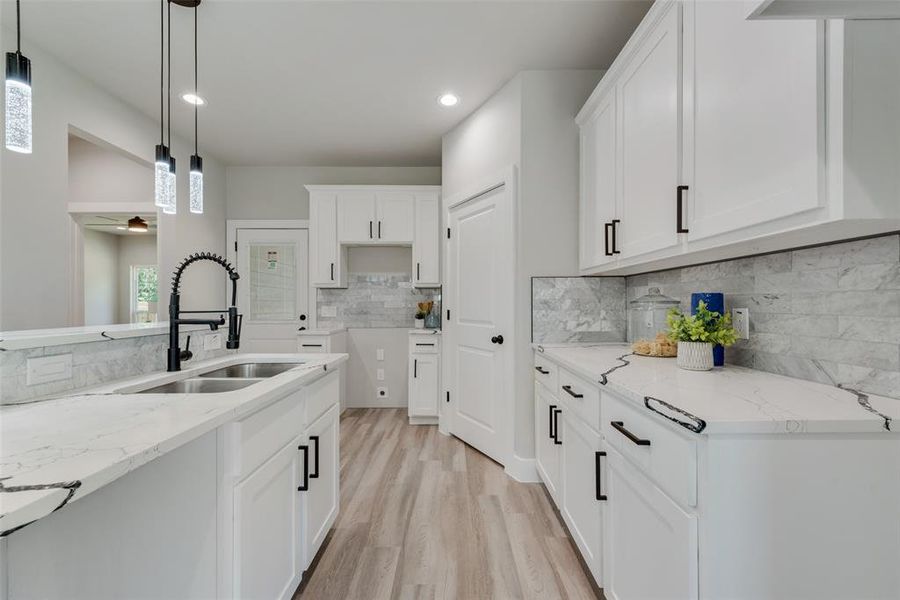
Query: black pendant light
[[162, 165], [196, 175], [18, 95]]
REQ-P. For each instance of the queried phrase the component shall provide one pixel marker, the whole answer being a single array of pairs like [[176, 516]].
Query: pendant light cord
[[18, 29], [162, 70], [169, 88], [196, 89]]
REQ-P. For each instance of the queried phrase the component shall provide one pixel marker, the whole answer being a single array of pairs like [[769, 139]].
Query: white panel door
[[424, 384], [324, 251], [267, 554], [395, 220], [753, 119], [582, 494], [649, 118], [650, 543], [598, 185], [480, 325], [319, 502], [546, 440], [426, 246], [273, 291], [356, 217]]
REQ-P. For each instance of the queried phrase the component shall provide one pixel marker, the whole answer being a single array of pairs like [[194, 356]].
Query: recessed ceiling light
[[448, 99], [193, 99]]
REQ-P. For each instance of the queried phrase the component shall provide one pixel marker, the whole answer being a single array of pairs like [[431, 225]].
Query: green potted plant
[[697, 334]]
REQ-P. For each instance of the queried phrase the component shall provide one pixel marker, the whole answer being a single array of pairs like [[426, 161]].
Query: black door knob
[[497, 339], [302, 317]]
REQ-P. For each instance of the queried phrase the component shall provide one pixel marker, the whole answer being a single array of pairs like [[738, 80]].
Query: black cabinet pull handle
[[315, 474], [305, 485], [620, 427], [418, 271], [332, 271], [606, 228], [552, 435], [600, 495], [370, 230], [542, 370], [679, 222], [379, 230], [556, 414], [497, 339], [423, 344], [568, 389], [614, 223], [415, 368], [311, 345]]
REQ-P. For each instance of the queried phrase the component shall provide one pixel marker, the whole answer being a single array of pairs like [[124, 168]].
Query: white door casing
[[273, 291], [480, 301]]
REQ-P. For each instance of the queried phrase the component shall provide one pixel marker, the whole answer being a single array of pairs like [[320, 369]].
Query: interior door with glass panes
[[273, 291]]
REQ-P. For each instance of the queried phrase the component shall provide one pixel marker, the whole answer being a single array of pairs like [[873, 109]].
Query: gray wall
[[829, 314], [101, 278], [578, 309], [362, 368], [278, 192]]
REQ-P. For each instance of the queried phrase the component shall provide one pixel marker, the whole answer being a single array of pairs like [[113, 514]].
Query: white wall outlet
[[740, 320], [383, 393], [379, 354], [44, 369], [212, 341], [379, 374], [329, 311]]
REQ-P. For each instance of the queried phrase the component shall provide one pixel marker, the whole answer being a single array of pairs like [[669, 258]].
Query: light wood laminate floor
[[425, 516]]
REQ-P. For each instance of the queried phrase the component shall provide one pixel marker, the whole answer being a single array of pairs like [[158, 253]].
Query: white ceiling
[[331, 82]]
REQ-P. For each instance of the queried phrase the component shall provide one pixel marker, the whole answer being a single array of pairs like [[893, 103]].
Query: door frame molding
[[231, 234], [508, 178]]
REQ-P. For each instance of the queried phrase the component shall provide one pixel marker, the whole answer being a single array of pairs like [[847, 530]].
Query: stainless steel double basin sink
[[225, 379]]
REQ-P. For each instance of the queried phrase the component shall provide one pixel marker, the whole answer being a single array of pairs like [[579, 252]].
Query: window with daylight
[[144, 298]]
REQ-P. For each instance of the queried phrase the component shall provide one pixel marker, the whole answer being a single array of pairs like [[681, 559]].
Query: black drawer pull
[[305, 485], [315, 474], [600, 495], [542, 370], [556, 414], [311, 345], [423, 344], [568, 389], [552, 435], [620, 427]]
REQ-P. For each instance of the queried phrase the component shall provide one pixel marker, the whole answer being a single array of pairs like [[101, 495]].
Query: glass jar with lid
[[647, 315]]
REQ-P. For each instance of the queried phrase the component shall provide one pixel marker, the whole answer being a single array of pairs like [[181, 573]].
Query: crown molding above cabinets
[[712, 137], [361, 215]]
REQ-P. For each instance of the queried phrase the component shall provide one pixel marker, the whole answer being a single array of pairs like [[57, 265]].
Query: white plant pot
[[420, 323], [695, 356]]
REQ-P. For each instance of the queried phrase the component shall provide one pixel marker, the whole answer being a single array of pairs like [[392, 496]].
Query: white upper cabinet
[[356, 216], [598, 184], [325, 258], [426, 245], [735, 137], [753, 121], [395, 217], [649, 145]]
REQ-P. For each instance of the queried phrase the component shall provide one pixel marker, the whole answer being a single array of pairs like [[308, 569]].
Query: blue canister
[[715, 301]]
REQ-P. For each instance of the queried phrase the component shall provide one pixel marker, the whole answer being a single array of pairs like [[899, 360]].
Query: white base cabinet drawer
[[580, 396], [667, 457], [546, 372], [651, 543], [583, 494]]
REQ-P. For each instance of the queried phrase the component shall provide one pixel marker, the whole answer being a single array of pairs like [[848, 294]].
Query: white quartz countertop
[[58, 451], [728, 400]]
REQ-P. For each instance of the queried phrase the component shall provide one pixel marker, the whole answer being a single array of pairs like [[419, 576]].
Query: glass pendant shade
[[171, 206], [18, 103], [161, 177], [196, 184]]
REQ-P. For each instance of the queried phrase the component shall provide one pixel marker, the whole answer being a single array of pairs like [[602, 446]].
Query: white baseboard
[[423, 420], [522, 469]]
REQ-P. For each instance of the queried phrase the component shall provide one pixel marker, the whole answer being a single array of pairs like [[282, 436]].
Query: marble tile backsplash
[[94, 363], [829, 314], [373, 300], [578, 309]]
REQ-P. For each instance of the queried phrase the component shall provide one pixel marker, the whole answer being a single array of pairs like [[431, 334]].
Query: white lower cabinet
[[318, 473], [651, 543], [267, 553], [584, 490], [424, 377], [547, 453]]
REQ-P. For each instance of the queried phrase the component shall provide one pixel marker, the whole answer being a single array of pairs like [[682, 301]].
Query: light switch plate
[[212, 341], [379, 354], [328, 311], [740, 320], [379, 374], [44, 369]]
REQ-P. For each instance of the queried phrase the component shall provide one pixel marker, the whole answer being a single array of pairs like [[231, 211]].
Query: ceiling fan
[[135, 224]]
